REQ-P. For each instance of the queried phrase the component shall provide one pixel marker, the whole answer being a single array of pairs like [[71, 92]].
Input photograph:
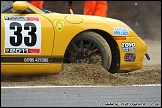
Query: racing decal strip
[[119, 38], [31, 59]]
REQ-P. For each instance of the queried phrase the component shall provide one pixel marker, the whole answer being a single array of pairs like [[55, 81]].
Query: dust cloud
[[144, 17]]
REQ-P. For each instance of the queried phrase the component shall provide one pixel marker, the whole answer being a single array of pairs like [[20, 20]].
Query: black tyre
[[89, 47]]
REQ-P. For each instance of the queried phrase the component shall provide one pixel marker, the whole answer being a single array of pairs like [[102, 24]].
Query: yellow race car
[[35, 41]]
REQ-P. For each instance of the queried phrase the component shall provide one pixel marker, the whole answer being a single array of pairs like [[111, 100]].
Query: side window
[[6, 6]]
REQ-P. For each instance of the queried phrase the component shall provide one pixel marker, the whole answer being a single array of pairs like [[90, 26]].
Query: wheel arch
[[115, 64]]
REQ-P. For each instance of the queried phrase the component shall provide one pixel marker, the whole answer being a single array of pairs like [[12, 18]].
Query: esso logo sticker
[[22, 35], [128, 46]]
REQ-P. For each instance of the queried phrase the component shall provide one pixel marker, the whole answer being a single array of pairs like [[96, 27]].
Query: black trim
[[57, 60], [31, 59]]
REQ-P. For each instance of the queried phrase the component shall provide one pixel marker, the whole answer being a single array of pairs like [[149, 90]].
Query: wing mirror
[[19, 6]]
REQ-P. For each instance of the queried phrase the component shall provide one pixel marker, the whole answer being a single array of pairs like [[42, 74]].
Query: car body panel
[[46, 34], [30, 69], [140, 48], [56, 31], [85, 25], [65, 37]]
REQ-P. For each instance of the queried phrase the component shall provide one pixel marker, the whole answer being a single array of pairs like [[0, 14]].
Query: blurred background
[[144, 17]]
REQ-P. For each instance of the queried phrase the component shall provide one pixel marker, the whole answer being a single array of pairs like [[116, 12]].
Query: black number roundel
[[17, 41]]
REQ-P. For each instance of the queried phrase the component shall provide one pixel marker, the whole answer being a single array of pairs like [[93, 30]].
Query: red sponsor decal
[[33, 50], [33, 18]]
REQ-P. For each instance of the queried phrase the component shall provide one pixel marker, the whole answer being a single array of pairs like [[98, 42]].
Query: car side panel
[[33, 69], [42, 50], [132, 52]]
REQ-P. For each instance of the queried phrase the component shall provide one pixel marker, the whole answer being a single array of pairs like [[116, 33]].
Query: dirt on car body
[[96, 75]]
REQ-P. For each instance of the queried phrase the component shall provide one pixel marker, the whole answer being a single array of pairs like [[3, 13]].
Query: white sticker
[[128, 46], [22, 35], [121, 31]]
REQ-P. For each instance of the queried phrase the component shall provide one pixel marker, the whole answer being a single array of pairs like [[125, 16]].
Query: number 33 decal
[[22, 33], [18, 29]]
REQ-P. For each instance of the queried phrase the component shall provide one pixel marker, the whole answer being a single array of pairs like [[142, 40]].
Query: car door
[[25, 38]]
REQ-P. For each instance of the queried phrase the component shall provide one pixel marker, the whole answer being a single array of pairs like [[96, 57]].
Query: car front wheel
[[89, 47]]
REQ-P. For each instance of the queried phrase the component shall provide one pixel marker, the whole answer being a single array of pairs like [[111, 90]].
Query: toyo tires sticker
[[128, 46]]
